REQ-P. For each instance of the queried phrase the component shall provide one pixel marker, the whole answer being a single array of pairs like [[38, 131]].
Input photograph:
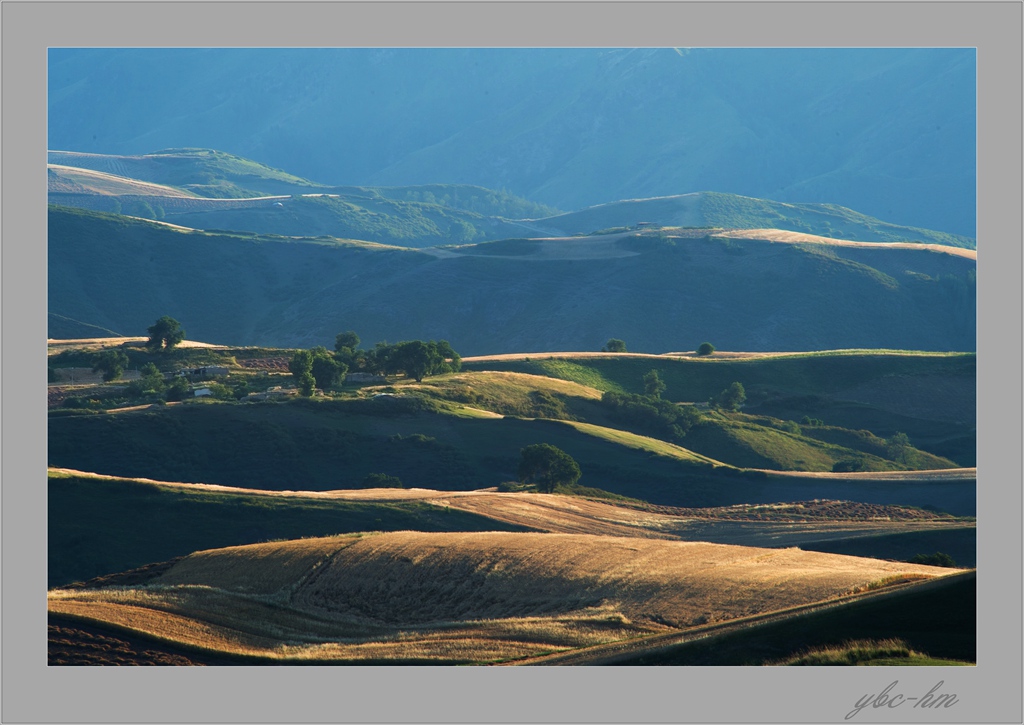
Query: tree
[[179, 389], [346, 342], [151, 382], [111, 363], [729, 399], [452, 360], [164, 334], [706, 348], [416, 358], [301, 368], [653, 385], [897, 447], [547, 466], [614, 345], [325, 369]]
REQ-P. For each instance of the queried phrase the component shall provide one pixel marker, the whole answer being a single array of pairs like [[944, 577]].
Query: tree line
[[324, 369]]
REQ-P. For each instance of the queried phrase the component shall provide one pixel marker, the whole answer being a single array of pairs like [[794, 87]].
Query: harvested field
[[465, 597], [70, 179], [99, 343]]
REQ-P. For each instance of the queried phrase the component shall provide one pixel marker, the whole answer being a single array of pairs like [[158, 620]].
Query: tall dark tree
[[164, 334], [898, 447], [301, 368], [416, 358], [326, 370], [547, 466], [111, 363], [346, 341], [653, 384], [452, 360]]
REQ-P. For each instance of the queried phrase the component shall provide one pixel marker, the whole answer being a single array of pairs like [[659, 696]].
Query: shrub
[[706, 348], [614, 345], [936, 559], [847, 466], [382, 480]]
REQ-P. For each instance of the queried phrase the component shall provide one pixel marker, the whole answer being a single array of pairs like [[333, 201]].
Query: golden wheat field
[[465, 597]]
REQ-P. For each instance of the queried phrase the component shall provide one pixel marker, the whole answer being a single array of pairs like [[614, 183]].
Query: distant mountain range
[[889, 132], [208, 189]]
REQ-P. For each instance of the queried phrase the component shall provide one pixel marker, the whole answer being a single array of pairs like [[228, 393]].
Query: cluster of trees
[[414, 358], [320, 368], [651, 415], [153, 385]]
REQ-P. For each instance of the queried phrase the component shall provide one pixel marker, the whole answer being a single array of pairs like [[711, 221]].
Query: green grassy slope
[[741, 295], [733, 438], [98, 527], [697, 379]]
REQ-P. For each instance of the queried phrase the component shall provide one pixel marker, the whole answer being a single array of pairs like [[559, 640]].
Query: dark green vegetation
[[938, 620], [110, 272], [98, 527], [797, 125]]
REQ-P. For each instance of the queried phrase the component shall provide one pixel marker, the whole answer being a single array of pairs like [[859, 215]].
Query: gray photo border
[[32, 692]]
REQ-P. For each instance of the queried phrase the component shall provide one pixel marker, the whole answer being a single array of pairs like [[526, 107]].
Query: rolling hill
[[463, 597], [532, 295]]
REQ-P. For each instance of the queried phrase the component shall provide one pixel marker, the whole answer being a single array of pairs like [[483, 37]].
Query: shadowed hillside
[[113, 273]]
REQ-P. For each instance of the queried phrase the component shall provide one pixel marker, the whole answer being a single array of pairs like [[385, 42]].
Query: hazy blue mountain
[[207, 189], [889, 132]]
